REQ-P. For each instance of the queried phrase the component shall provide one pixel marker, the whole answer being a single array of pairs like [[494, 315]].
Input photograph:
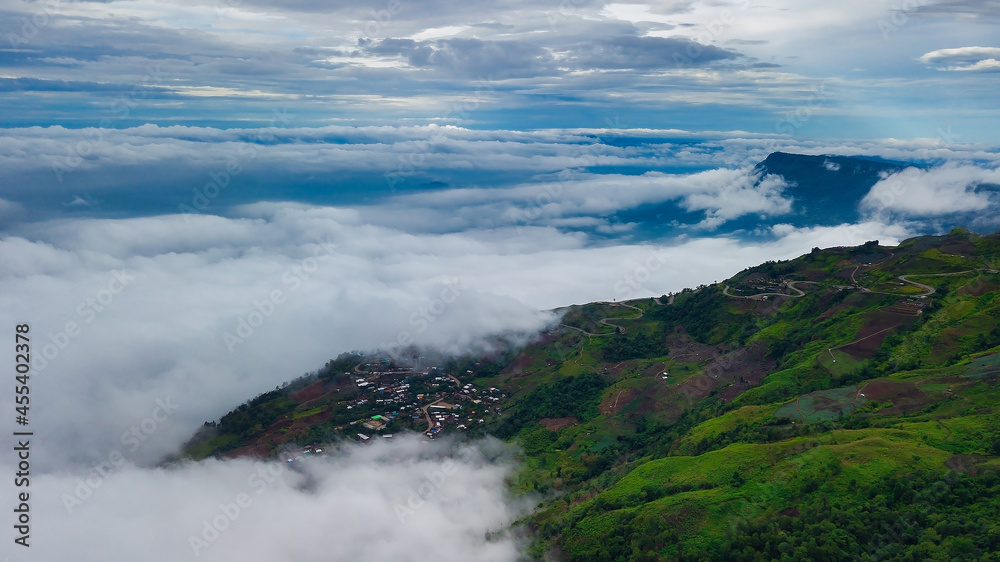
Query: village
[[428, 400]]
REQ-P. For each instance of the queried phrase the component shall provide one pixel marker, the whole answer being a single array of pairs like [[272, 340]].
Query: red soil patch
[[883, 390], [959, 248], [845, 273], [732, 372], [696, 388], [615, 402], [283, 423], [682, 348], [312, 420], [854, 299], [978, 287], [865, 349], [740, 369], [517, 366], [878, 326], [272, 435], [905, 397], [247, 452], [295, 430], [813, 275], [615, 369], [555, 424], [877, 322], [310, 392], [965, 464]]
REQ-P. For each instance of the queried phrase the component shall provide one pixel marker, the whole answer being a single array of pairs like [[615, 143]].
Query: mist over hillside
[[853, 381], [504, 280], [170, 320]]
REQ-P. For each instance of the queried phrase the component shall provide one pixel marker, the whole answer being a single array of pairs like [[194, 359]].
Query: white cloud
[[152, 298], [961, 54], [965, 59], [250, 55], [173, 161], [936, 192], [403, 500], [187, 284], [723, 195], [742, 197], [985, 65]]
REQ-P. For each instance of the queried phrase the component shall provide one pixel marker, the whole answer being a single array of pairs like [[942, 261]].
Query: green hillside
[[841, 405]]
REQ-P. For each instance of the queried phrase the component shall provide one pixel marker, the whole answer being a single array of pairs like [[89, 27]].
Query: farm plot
[[823, 405], [984, 367]]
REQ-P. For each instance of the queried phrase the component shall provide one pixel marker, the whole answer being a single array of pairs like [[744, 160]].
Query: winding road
[[606, 323], [669, 300], [799, 293], [927, 288], [891, 255], [930, 290], [790, 285], [427, 415]]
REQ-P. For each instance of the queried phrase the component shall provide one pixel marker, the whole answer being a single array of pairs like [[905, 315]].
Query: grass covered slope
[[841, 405]]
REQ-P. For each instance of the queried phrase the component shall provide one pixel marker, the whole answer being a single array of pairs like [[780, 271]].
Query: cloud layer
[[202, 200], [965, 59], [399, 501], [209, 312], [298, 244], [939, 192]]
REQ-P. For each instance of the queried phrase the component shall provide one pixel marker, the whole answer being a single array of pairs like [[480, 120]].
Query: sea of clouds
[[147, 323]]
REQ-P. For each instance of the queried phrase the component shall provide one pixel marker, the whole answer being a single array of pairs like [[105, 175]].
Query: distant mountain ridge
[[827, 190], [824, 190]]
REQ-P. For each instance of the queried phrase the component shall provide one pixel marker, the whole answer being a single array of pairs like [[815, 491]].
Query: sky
[[201, 201], [865, 69]]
